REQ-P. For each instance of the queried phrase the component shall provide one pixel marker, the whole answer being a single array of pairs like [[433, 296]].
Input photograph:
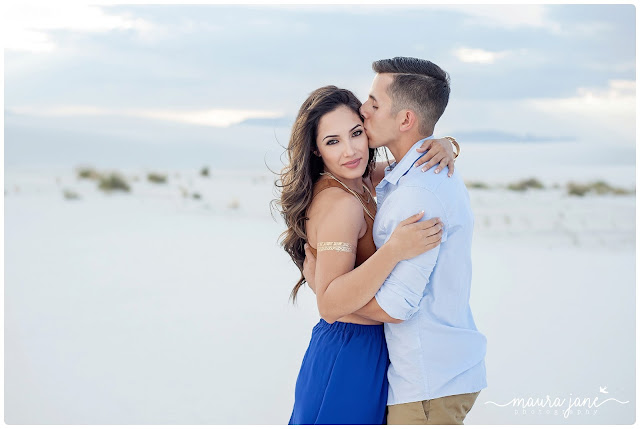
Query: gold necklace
[[355, 194]]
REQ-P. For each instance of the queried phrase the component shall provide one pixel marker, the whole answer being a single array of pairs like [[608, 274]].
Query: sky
[[114, 83]]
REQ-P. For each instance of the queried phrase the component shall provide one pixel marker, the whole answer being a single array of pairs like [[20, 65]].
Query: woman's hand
[[439, 151], [412, 238]]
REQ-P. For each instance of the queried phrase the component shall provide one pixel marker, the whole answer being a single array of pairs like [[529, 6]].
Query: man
[[436, 353]]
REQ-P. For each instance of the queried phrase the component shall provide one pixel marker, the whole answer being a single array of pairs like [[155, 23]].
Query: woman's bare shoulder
[[336, 201], [335, 204]]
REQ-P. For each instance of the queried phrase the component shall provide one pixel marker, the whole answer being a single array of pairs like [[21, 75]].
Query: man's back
[[437, 350]]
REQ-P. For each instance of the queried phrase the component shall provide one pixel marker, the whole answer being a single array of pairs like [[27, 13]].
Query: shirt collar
[[399, 169]]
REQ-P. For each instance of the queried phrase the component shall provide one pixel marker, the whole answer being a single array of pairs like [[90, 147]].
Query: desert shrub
[[599, 187], [577, 189], [196, 196], [523, 185], [157, 178], [204, 172], [477, 185], [113, 182], [88, 173], [70, 195]]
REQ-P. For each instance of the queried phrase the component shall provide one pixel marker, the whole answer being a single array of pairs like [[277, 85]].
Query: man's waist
[[405, 386]]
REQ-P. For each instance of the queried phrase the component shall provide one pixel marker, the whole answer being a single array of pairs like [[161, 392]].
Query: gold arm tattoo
[[336, 245]]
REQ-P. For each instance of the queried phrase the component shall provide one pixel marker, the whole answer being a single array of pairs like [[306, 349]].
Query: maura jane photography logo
[[555, 406]]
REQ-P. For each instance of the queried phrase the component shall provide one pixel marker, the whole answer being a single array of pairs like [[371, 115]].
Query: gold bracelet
[[336, 245], [455, 143]]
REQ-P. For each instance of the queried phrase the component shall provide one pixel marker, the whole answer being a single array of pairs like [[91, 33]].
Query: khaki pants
[[448, 410]]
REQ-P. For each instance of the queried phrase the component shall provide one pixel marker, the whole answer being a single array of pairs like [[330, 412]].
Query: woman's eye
[[332, 142], [357, 133]]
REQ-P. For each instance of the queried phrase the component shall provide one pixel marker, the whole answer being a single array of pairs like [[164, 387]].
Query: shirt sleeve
[[401, 293]]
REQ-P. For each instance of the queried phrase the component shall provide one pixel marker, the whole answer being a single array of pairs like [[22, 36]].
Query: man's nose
[[363, 111]]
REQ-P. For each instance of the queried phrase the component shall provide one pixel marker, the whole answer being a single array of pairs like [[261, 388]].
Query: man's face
[[380, 125]]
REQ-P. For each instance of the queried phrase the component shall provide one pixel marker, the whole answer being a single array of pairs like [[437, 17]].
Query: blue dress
[[343, 378]]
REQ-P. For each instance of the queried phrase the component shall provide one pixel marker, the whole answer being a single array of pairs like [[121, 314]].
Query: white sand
[[149, 308]]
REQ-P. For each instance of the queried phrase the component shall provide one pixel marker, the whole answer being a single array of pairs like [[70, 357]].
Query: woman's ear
[[316, 153]]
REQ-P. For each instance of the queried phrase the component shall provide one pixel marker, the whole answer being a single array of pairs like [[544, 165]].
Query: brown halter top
[[366, 247]]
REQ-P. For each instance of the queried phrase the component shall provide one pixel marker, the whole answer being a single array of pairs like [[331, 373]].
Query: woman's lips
[[353, 164]]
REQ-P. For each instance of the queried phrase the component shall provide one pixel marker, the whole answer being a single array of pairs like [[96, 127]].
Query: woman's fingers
[[430, 223], [434, 240], [433, 152], [443, 164], [412, 219], [424, 158], [451, 166], [435, 160], [426, 145], [424, 225]]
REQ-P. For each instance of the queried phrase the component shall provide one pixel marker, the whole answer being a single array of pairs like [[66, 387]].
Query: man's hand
[[439, 151], [309, 268]]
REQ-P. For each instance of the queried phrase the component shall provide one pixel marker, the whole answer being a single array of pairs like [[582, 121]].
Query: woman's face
[[342, 143]]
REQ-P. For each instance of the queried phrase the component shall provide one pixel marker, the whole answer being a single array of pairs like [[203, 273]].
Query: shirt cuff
[[393, 304]]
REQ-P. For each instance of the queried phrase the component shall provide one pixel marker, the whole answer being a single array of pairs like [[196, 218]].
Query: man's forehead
[[380, 83]]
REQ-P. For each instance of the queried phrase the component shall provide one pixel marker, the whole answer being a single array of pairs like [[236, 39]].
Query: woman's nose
[[349, 149]]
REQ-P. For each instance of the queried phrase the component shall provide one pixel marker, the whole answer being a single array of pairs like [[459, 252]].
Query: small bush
[[477, 185], [204, 172], [113, 182], [157, 178], [70, 195], [577, 189], [88, 173], [196, 196], [523, 185], [599, 188]]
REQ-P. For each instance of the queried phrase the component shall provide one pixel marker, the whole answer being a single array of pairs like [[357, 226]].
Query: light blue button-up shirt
[[437, 351]]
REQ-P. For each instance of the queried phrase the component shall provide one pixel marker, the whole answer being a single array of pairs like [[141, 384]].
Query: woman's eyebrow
[[335, 135]]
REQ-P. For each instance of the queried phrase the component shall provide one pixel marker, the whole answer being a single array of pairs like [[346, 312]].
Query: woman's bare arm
[[340, 289]]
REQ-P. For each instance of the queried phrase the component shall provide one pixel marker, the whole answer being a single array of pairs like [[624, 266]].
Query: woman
[[327, 200]]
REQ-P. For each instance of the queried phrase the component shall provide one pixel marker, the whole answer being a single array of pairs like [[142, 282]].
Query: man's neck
[[400, 147]]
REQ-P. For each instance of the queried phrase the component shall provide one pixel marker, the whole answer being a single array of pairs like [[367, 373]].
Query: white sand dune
[[151, 308]]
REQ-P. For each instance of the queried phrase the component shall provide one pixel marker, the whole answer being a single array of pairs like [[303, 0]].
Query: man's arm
[[400, 295], [373, 311]]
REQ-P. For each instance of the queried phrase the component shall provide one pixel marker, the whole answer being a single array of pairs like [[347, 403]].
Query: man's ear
[[407, 119]]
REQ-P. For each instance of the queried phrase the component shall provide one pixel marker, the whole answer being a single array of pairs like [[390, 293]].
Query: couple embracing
[[396, 342]]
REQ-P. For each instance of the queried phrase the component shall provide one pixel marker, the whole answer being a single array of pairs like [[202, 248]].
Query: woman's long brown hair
[[296, 179]]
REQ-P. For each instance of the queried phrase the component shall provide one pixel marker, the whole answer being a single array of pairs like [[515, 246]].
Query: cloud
[[219, 118], [505, 16], [481, 56], [619, 98], [26, 28]]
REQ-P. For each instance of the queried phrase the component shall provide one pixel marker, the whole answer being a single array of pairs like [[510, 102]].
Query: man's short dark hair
[[419, 85]]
